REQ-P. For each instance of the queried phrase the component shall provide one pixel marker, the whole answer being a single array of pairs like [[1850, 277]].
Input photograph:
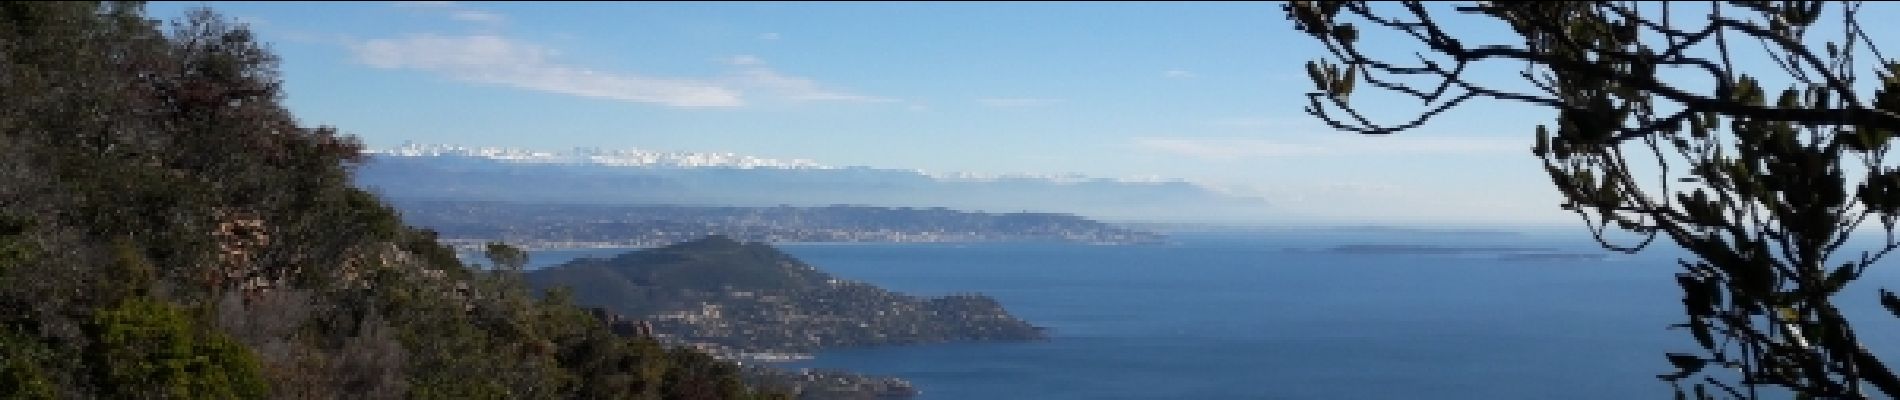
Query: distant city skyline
[[1210, 93]]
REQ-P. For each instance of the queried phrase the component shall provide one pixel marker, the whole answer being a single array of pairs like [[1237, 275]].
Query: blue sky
[[1207, 92]]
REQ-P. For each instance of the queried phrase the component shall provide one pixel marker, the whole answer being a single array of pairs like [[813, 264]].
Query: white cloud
[[476, 16], [754, 73], [498, 60], [1224, 149], [769, 36], [454, 11], [745, 60], [1017, 102], [1177, 74]]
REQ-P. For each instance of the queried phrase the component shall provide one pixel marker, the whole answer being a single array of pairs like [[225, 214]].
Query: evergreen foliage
[[169, 230], [1659, 133]]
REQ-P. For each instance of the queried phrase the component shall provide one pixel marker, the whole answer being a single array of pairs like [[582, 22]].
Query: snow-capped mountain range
[[643, 158], [597, 156], [645, 177]]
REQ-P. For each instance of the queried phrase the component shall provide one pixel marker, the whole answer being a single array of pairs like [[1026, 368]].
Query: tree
[[1763, 192], [506, 258], [150, 348], [169, 229]]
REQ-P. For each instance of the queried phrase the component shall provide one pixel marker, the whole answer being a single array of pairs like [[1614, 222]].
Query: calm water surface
[[1267, 316]]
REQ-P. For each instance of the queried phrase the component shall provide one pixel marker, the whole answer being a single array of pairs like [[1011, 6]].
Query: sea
[[1291, 314]]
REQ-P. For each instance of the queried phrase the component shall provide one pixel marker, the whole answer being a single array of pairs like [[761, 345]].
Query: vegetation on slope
[[753, 298], [168, 229]]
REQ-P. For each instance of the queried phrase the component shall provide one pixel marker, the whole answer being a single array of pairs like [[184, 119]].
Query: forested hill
[[752, 298], [169, 230]]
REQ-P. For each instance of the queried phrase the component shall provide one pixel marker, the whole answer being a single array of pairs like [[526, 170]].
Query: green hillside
[[168, 229], [717, 262], [752, 298]]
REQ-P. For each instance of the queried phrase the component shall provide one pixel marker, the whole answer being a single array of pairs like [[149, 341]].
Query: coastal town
[[754, 305], [469, 225]]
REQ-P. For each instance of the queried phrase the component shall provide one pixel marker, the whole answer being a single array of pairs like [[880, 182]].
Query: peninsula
[[751, 302]]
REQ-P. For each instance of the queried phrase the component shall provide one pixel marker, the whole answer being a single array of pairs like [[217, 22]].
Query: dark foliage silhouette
[[1660, 133]]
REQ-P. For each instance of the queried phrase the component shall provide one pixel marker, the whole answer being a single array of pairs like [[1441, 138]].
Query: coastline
[[476, 246]]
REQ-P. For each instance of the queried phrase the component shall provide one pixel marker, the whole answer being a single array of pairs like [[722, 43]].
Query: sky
[[1211, 93]]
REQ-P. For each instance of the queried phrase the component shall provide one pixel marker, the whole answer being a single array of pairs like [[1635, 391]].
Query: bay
[[1278, 315]]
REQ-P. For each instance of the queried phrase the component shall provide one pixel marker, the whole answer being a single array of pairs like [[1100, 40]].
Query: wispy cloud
[[1300, 122], [477, 16], [494, 59], [498, 60], [755, 74], [769, 36], [1017, 102], [745, 60], [1226, 149], [455, 11], [1177, 74]]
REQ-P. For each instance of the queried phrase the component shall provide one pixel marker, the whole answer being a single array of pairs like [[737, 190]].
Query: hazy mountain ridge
[[731, 180], [597, 156]]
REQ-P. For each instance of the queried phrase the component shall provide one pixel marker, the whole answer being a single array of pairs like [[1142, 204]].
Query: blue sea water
[[1267, 315]]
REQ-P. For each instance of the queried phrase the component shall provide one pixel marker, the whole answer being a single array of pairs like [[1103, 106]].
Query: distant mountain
[[605, 157], [755, 299], [717, 179]]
